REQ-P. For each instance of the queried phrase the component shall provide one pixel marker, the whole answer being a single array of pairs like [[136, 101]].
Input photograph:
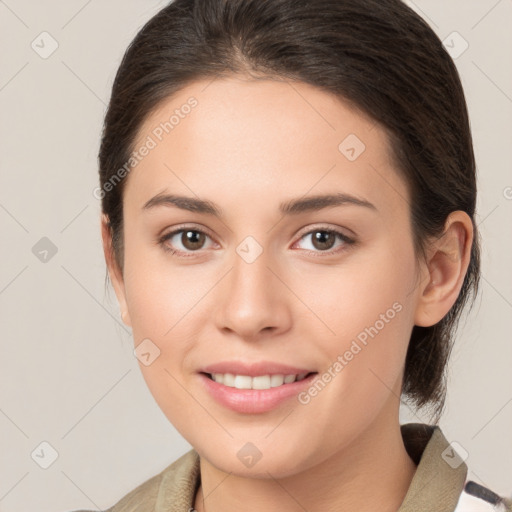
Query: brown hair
[[378, 55]]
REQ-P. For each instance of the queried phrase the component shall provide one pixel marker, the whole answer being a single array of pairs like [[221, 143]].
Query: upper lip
[[254, 369]]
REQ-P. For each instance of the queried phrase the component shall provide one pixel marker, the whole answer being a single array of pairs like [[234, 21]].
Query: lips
[[255, 387]]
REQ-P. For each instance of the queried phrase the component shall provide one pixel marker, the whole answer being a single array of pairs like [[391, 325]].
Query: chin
[[249, 461]]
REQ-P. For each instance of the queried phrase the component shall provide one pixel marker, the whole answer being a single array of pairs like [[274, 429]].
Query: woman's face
[[266, 286]]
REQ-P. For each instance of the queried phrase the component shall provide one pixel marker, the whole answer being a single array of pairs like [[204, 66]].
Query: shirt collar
[[440, 474], [437, 483]]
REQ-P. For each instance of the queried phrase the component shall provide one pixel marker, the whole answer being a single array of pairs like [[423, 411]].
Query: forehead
[[236, 137]]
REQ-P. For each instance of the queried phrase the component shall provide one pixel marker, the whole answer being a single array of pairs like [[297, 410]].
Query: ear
[[447, 263], [115, 273]]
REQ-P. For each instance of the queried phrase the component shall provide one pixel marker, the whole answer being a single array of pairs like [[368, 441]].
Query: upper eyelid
[[179, 229], [337, 230]]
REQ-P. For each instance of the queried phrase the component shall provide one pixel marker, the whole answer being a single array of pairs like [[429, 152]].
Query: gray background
[[67, 370]]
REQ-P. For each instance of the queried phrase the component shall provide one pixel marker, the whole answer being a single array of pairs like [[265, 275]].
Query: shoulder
[[477, 498], [441, 479], [179, 479]]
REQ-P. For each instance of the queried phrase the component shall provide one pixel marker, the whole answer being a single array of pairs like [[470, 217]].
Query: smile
[[254, 394], [256, 382]]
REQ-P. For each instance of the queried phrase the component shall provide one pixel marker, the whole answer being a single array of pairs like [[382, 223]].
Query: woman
[[288, 195]]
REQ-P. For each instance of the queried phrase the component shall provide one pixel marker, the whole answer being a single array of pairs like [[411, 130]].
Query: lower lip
[[252, 401]]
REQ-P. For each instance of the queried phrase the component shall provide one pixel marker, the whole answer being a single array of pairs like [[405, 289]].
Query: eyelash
[[347, 241]]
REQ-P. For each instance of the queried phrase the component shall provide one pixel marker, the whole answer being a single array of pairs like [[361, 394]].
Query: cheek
[[368, 307], [161, 295], [366, 290], [163, 309]]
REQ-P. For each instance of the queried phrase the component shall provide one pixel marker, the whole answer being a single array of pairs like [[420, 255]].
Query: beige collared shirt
[[439, 484]]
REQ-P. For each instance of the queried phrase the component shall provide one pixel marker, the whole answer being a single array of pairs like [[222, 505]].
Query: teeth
[[259, 382], [276, 380]]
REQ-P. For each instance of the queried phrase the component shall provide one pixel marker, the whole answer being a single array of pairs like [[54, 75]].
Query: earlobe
[[448, 261], [126, 317], [116, 276]]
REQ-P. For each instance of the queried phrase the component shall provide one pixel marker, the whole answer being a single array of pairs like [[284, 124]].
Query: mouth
[[253, 394], [257, 382], [252, 387]]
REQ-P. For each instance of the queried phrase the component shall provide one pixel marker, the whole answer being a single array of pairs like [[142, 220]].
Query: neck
[[373, 473]]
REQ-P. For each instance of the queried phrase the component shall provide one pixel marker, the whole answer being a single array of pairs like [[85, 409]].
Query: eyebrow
[[291, 207]]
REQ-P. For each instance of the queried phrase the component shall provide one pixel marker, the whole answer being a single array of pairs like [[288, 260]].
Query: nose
[[253, 301]]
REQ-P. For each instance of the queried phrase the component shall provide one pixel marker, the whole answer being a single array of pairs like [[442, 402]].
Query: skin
[[247, 146]]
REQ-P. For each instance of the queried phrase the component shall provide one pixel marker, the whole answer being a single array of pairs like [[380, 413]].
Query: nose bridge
[[251, 300], [251, 277]]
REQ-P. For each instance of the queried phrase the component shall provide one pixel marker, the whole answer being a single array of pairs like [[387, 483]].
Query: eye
[[193, 240], [323, 239], [190, 239]]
